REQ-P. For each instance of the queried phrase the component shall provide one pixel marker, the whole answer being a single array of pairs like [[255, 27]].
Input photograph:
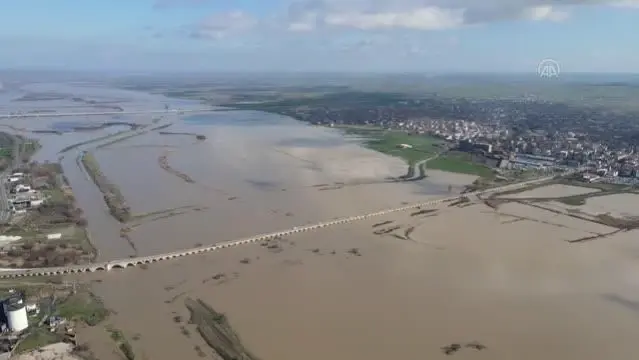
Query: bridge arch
[[124, 263]]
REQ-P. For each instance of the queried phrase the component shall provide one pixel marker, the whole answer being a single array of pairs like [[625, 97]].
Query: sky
[[320, 35]]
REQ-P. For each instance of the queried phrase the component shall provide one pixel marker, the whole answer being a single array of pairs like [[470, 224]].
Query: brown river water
[[465, 275]]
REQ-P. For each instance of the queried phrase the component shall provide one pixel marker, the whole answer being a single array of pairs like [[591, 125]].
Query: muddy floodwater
[[471, 282], [247, 173], [254, 173], [464, 276]]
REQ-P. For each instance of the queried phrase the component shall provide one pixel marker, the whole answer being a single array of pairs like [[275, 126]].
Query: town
[[508, 133]]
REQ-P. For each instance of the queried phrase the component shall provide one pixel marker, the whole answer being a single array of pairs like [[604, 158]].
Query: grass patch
[[389, 141], [216, 331], [574, 200], [56, 196], [462, 163], [624, 224], [111, 193], [37, 339], [84, 307], [123, 343]]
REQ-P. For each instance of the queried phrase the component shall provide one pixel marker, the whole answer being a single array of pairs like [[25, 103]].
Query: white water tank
[[16, 314]]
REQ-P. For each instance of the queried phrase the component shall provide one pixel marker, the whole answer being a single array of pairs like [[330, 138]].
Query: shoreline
[[54, 228], [447, 164]]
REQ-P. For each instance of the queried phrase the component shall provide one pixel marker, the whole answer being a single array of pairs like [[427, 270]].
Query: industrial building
[[14, 314], [470, 146]]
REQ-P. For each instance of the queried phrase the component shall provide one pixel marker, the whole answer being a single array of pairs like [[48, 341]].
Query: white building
[[15, 312]]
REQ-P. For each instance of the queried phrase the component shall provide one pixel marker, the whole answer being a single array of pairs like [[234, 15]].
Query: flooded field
[[207, 178], [472, 282], [552, 191], [461, 276], [617, 205], [248, 178]]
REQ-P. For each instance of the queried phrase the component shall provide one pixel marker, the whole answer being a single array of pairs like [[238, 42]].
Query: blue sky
[[320, 35]]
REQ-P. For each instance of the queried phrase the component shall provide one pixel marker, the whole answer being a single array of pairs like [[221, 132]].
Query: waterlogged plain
[[472, 282], [103, 229], [248, 173], [465, 280]]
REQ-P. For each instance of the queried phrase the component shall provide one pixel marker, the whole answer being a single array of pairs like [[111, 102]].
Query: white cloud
[[220, 25], [546, 12], [327, 16], [305, 22], [430, 18], [429, 14], [628, 3]]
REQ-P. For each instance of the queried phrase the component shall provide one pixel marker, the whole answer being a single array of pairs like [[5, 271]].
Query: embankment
[[112, 195], [197, 136], [90, 141], [217, 332], [163, 161]]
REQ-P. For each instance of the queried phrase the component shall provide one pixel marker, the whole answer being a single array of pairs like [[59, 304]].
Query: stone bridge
[[133, 262]]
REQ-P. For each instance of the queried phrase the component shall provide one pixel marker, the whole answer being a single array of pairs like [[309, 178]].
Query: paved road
[[174, 111]]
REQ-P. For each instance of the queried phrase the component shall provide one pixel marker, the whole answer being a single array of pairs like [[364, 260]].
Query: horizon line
[[355, 72]]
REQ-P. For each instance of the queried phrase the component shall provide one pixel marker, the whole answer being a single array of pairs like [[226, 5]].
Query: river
[[254, 173]]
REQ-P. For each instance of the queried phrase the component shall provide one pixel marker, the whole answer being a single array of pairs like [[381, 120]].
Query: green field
[[37, 339], [460, 163], [423, 147], [84, 307], [388, 142]]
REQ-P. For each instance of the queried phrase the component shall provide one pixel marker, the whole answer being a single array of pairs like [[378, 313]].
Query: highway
[[104, 113]]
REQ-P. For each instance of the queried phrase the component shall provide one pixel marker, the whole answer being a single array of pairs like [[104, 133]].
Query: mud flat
[[616, 205], [551, 192], [59, 351], [464, 276]]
